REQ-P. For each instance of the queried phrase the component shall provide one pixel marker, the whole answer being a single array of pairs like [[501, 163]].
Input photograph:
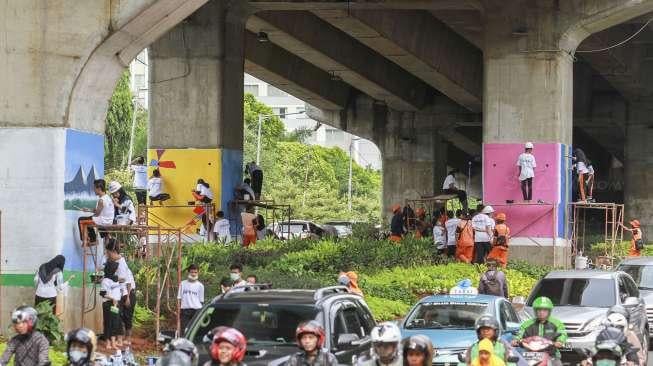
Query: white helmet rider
[[618, 321], [386, 339]]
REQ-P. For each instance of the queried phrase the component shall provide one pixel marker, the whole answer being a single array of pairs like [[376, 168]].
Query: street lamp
[[261, 117]]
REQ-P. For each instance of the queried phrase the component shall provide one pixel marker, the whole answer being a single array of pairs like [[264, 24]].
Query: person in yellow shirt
[[486, 355]]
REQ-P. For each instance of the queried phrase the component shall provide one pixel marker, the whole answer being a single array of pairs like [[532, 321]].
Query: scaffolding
[[164, 249], [148, 216], [613, 217], [431, 205], [274, 213]]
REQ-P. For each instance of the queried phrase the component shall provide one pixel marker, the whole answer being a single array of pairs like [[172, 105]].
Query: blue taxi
[[449, 321]]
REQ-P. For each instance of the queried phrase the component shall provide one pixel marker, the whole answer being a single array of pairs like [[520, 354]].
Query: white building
[[139, 79], [364, 152]]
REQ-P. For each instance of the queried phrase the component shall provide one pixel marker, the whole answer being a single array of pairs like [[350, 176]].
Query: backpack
[[639, 243], [492, 284]]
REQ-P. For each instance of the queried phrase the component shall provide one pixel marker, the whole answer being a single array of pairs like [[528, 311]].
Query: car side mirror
[[631, 301], [347, 339]]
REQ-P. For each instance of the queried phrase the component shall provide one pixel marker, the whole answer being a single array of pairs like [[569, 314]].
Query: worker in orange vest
[[397, 224], [637, 241], [465, 240], [499, 250], [422, 227]]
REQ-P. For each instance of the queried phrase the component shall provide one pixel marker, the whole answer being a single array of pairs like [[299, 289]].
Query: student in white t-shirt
[[439, 236], [450, 186], [222, 228], [191, 295], [110, 290], [526, 163], [155, 188], [103, 214], [48, 280], [127, 285], [139, 169], [451, 225], [203, 194], [483, 226]]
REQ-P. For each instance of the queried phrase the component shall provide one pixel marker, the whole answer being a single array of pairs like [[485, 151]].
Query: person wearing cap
[[450, 186], [499, 251], [637, 241], [483, 225], [526, 163], [396, 224], [123, 204], [486, 356]]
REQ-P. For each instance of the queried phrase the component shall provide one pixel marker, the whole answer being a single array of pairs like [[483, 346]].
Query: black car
[[268, 319]]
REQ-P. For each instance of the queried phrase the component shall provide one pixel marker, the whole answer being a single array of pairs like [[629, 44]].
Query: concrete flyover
[[434, 83]]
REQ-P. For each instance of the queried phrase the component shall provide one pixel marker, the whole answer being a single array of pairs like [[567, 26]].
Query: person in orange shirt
[[637, 241], [465, 240], [499, 250], [249, 223], [422, 227]]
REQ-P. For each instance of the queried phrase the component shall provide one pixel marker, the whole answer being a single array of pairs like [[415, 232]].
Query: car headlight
[[595, 324]]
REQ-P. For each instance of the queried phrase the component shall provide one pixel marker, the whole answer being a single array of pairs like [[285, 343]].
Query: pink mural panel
[[501, 183]]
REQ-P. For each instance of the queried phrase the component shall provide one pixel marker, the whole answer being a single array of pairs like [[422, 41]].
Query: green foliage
[[529, 269], [118, 124], [57, 358], [143, 321], [48, 323], [384, 309]]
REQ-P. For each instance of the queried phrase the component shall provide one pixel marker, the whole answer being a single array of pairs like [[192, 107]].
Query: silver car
[[641, 270], [582, 299]]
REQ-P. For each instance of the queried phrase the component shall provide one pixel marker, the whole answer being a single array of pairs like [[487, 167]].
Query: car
[[343, 228], [449, 321], [582, 299], [268, 319], [641, 270], [301, 229]]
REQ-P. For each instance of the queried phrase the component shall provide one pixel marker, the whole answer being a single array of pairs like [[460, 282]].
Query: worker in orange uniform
[[637, 241], [397, 224], [499, 250], [465, 240], [422, 227]]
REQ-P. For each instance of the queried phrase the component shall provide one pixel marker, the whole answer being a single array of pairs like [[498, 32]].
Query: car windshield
[[292, 228], [262, 323], [643, 275], [594, 292], [461, 315]]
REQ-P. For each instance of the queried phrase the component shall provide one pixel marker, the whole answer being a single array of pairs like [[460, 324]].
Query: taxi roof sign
[[459, 290]]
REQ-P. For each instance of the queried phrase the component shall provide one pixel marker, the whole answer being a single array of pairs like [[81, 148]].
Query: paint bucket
[[580, 262]]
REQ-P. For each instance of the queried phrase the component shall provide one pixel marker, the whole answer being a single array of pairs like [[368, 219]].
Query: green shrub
[[384, 309], [49, 324], [532, 270]]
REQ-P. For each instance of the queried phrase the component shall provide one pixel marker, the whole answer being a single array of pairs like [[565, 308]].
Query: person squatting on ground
[[48, 280], [417, 351], [28, 347], [103, 214], [310, 337], [500, 240], [386, 339], [228, 347], [110, 290], [526, 163], [179, 352], [191, 295]]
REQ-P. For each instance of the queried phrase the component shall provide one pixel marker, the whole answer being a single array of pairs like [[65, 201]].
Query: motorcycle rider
[[28, 347], [228, 347], [386, 339], [310, 340], [80, 347], [179, 352], [606, 353], [543, 325], [487, 327], [618, 317], [418, 351]]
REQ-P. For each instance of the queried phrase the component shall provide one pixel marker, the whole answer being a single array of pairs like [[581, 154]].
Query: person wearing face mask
[[80, 348], [191, 295], [228, 347], [236, 275]]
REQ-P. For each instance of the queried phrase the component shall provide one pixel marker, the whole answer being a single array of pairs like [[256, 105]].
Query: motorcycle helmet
[[310, 327], [231, 336], [175, 358], [543, 302], [486, 321], [386, 333], [83, 336], [182, 345], [25, 314], [619, 309], [611, 334], [618, 321], [421, 344]]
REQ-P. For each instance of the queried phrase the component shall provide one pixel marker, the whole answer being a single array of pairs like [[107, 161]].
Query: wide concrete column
[[528, 96], [196, 105], [639, 166]]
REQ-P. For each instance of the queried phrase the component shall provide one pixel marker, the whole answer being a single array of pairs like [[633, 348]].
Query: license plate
[[532, 355]]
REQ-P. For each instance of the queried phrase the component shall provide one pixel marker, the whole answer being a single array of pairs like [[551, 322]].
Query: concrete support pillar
[[639, 167], [196, 105], [528, 96]]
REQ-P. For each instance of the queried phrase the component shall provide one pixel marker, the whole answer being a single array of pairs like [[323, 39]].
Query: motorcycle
[[536, 351]]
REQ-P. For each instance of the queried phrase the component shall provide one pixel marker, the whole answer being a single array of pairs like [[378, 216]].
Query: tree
[[118, 125]]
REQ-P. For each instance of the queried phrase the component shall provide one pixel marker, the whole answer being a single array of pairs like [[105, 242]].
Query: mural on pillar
[[84, 162], [550, 186], [180, 169]]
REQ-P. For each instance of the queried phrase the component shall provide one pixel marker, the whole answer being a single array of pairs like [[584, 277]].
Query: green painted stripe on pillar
[[27, 280]]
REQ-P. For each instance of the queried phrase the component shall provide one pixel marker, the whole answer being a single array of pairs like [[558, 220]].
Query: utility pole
[[258, 139], [351, 158]]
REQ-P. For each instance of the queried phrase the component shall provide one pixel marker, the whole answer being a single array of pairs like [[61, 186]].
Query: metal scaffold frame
[[148, 217], [612, 228], [167, 245], [268, 205], [430, 205]]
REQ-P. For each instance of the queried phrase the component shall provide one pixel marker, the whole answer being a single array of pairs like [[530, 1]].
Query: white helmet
[[385, 333], [114, 187], [528, 145], [487, 209], [618, 321]]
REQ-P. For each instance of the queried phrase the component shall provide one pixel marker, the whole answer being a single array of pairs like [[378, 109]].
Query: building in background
[[139, 79], [364, 152]]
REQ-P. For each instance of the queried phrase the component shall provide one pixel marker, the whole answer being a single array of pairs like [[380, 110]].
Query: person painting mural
[[581, 163], [637, 241], [526, 163]]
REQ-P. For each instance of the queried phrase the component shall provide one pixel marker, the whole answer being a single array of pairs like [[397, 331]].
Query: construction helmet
[[542, 302], [25, 314], [232, 336], [528, 145], [500, 216], [114, 187], [635, 223], [419, 343], [487, 210], [310, 327], [396, 207], [83, 336]]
